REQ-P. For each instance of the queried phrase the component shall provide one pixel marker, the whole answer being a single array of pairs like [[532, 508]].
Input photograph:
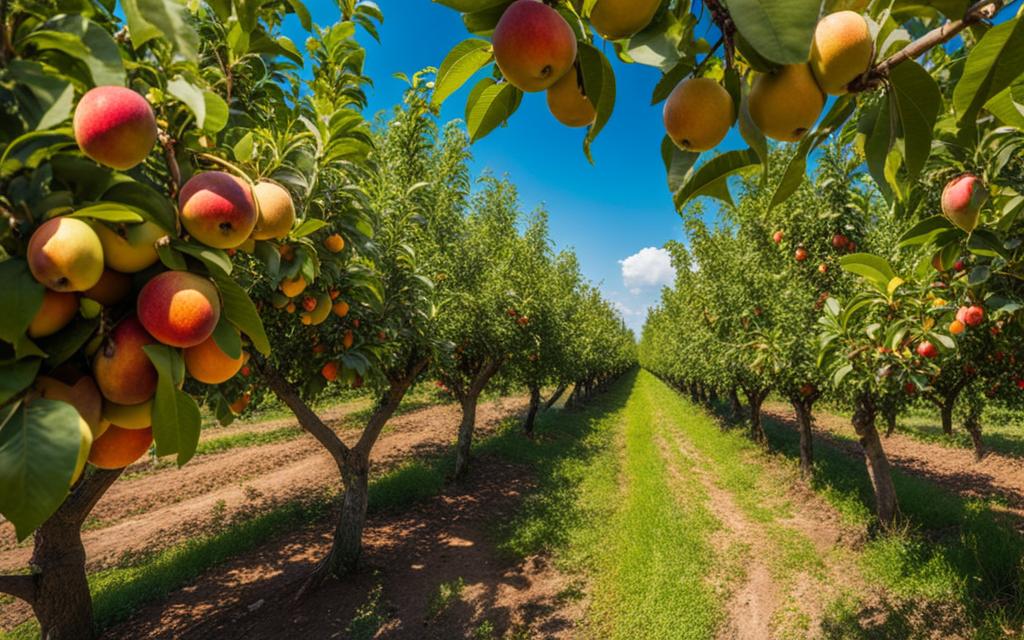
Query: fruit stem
[[875, 77], [172, 161]]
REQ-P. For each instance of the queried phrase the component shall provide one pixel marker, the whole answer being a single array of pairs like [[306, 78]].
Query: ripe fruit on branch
[[618, 19], [927, 350], [910, 388], [276, 211], [207, 363], [129, 248], [523, 321], [340, 308], [962, 200], [320, 311], [112, 288], [533, 45], [971, 316], [330, 371], [698, 114], [217, 209], [65, 254], [309, 303], [115, 126], [348, 339], [83, 395], [334, 243], [801, 254], [117, 448], [57, 311], [778, 236], [959, 265], [839, 241], [785, 104], [569, 105], [129, 416], [822, 268], [240, 404], [957, 327], [292, 287], [841, 50], [121, 368], [511, 313], [178, 308]]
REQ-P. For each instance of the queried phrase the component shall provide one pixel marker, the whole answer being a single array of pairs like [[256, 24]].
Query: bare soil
[[996, 476], [159, 509]]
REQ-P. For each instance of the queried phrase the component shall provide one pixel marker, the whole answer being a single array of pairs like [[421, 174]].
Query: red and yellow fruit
[[112, 288], [276, 211], [841, 50], [178, 308], [962, 200], [533, 45], [207, 363], [568, 103], [115, 126], [335, 243], [57, 310], [129, 416], [292, 287], [65, 254], [129, 248], [785, 104], [83, 395], [618, 19], [330, 371], [117, 448], [698, 114], [217, 209], [340, 308], [121, 368]]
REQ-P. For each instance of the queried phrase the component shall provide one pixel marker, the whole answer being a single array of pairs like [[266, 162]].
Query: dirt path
[[410, 555], [996, 476], [159, 509]]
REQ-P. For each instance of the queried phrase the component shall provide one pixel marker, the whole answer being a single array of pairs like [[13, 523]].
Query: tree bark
[[889, 414], [734, 403], [805, 423], [531, 414], [946, 413], [468, 398], [876, 460], [755, 399], [347, 546], [559, 392], [58, 589], [973, 425]]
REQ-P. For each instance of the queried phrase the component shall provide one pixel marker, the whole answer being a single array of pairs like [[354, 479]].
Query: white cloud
[[648, 267]]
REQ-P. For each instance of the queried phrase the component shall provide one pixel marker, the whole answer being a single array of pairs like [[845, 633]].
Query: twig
[[4, 44], [167, 142], [711, 54], [876, 76]]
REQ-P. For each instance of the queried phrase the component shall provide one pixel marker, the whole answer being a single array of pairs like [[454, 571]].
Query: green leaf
[[599, 86], [216, 260], [464, 60], [880, 141], [466, 6], [227, 338], [144, 200], [109, 212], [165, 20], [308, 226], [924, 232], [677, 163], [1008, 105], [979, 275], [796, 170], [39, 447], [176, 418], [918, 100], [985, 243], [199, 102], [65, 343], [52, 97], [710, 179], [490, 104], [241, 311], [780, 30], [20, 298], [243, 148], [16, 376], [80, 38], [993, 64], [874, 269]]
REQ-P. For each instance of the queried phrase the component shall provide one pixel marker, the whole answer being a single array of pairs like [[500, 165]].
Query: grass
[[448, 593]]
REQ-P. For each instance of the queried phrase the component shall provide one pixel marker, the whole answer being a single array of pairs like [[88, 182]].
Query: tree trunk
[[946, 413], [531, 414], [58, 589], [713, 395], [754, 400], [804, 423], [462, 448], [973, 425], [889, 414], [877, 462], [734, 403], [347, 546], [559, 392]]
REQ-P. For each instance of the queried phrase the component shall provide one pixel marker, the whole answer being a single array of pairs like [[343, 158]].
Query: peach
[[122, 369], [217, 209], [292, 287], [112, 288], [533, 45], [785, 104], [335, 243], [276, 211], [57, 311], [178, 308], [129, 416], [129, 248], [65, 254], [569, 105], [962, 200], [115, 126], [240, 404], [698, 114], [841, 50], [83, 395], [207, 363], [118, 448], [617, 19]]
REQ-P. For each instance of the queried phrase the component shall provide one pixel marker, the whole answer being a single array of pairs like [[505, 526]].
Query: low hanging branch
[[877, 75], [22, 587]]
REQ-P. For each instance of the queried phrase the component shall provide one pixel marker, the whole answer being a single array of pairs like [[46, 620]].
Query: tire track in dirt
[[996, 476], [273, 473]]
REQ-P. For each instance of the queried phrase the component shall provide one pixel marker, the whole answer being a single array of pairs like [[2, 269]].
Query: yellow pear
[[618, 19], [698, 114], [129, 248], [785, 104], [276, 211], [568, 104], [841, 51]]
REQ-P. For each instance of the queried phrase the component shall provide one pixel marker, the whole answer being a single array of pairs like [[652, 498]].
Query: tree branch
[[4, 43], [388, 405], [307, 418], [83, 498], [21, 587], [876, 76], [172, 162]]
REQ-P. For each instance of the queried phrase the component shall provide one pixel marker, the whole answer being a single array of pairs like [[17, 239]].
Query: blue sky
[[606, 212]]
